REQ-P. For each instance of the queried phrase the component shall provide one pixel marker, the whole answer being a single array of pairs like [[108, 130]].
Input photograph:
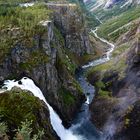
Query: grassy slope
[[16, 107], [117, 22], [115, 68], [19, 24], [90, 18]]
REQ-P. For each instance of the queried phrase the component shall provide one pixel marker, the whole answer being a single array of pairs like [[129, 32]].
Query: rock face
[[44, 58], [116, 104], [103, 105], [67, 17], [131, 129], [25, 109]]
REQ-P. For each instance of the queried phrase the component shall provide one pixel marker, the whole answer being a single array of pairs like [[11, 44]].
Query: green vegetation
[[3, 128], [105, 14], [115, 35], [104, 93], [67, 96], [127, 122], [121, 49], [13, 1], [64, 63], [59, 36], [22, 104], [90, 18], [106, 70], [20, 24], [19, 116], [101, 86], [117, 65], [35, 58], [117, 22], [27, 19], [127, 119], [26, 130], [77, 86]]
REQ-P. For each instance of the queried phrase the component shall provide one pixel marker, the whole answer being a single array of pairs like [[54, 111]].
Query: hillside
[[116, 103], [106, 9]]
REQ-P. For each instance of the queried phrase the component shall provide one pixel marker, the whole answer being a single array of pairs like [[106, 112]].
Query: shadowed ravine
[[82, 124], [82, 128]]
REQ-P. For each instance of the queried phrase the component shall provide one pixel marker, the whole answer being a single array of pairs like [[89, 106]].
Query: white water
[[56, 122], [107, 55], [26, 4]]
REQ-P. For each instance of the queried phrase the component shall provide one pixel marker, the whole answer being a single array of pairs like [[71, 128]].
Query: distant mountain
[[95, 4], [124, 3], [106, 9]]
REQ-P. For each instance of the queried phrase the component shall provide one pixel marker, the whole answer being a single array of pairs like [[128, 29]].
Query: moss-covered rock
[[101, 108], [17, 106], [132, 122]]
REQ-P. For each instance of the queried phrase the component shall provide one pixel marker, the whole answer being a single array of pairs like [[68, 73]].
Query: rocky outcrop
[[117, 96], [28, 110], [68, 18], [132, 121], [104, 105]]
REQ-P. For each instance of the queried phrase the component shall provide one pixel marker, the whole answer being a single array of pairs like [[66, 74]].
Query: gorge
[[75, 70], [82, 128]]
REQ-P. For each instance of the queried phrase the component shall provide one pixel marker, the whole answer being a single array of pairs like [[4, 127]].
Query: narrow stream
[[82, 128], [107, 55]]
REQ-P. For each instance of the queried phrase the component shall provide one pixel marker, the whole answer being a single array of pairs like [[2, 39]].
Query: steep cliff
[[67, 17], [117, 88], [45, 51]]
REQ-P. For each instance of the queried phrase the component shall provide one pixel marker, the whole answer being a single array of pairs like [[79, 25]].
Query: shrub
[[25, 132], [3, 128]]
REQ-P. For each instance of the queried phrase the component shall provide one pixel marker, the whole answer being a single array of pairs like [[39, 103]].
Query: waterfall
[[27, 84]]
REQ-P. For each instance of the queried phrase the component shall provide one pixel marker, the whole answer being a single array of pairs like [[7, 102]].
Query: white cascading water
[[107, 55], [26, 4], [56, 122]]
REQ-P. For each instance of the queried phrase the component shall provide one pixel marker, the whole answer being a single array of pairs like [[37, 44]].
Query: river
[[82, 124]]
